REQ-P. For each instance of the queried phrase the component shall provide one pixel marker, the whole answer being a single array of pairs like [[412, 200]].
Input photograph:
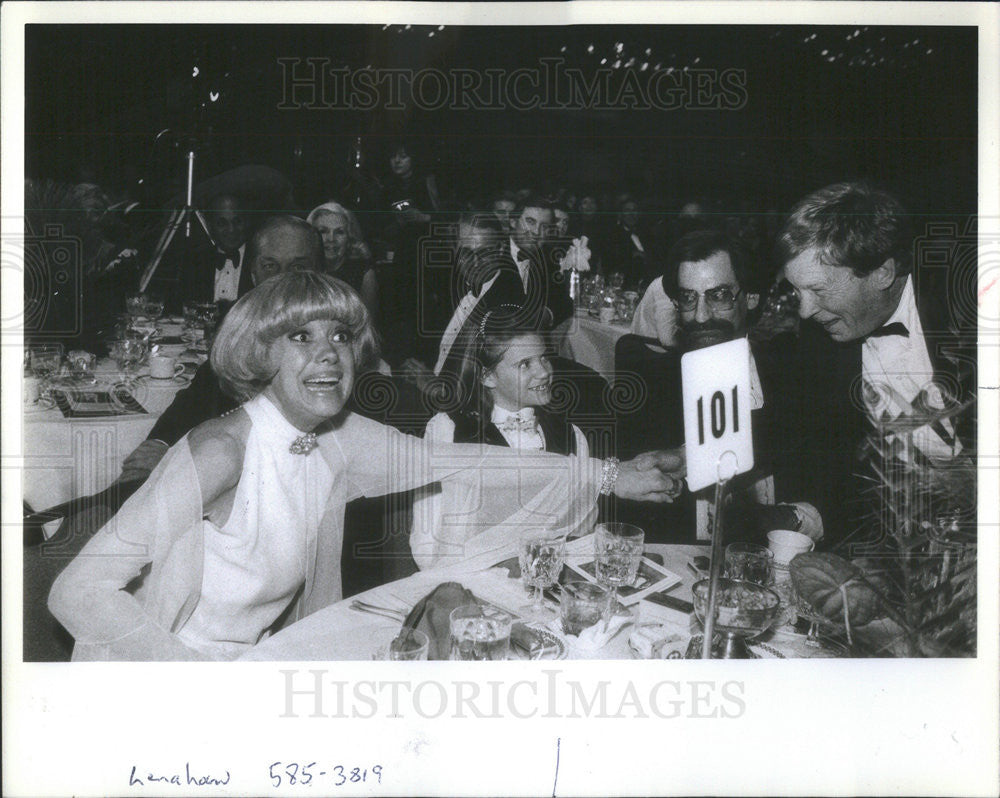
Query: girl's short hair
[[240, 355], [357, 249], [460, 382]]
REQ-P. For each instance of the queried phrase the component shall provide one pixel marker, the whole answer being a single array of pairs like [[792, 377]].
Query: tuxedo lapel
[[246, 280]]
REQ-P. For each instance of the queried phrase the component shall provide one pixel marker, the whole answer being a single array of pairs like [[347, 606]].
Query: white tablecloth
[[590, 341], [339, 633], [65, 458]]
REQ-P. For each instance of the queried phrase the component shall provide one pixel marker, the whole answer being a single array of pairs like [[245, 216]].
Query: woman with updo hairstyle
[[346, 256], [240, 526]]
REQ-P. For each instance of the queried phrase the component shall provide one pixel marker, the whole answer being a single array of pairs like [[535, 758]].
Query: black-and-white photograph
[[367, 340]]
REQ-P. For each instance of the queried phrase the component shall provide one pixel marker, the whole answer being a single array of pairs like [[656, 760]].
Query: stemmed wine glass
[[617, 552], [541, 555], [128, 352]]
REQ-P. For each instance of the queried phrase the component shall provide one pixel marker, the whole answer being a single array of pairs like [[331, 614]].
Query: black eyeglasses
[[720, 298]]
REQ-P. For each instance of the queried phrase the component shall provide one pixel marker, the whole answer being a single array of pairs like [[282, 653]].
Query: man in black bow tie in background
[[880, 341], [530, 224], [217, 272]]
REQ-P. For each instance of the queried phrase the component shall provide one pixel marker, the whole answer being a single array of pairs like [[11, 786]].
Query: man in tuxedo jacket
[[878, 342], [544, 285], [708, 278], [628, 245], [485, 277], [220, 275]]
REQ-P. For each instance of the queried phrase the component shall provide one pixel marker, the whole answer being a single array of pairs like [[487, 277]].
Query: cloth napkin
[[577, 256], [430, 616], [597, 636]]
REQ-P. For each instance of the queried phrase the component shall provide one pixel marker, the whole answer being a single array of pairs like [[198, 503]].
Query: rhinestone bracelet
[[609, 475]]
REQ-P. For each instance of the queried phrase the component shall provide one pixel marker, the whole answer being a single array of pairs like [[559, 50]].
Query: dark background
[[894, 104]]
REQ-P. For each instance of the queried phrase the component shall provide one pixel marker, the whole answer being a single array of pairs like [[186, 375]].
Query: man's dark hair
[[853, 225], [701, 245], [482, 220], [531, 201], [272, 223], [506, 194]]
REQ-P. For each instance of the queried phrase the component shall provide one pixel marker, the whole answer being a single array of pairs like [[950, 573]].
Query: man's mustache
[[696, 335]]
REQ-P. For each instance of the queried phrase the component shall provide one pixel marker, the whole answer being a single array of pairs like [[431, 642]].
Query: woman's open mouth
[[323, 384]]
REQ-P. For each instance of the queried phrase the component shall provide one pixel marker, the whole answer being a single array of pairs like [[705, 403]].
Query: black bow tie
[[523, 255], [233, 256], [896, 328]]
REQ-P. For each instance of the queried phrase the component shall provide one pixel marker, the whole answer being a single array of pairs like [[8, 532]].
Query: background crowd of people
[[461, 256]]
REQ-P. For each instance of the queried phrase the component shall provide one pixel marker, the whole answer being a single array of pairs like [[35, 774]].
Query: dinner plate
[[38, 407]]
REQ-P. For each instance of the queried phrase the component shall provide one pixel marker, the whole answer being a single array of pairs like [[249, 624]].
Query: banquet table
[[64, 458], [590, 341], [340, 633]]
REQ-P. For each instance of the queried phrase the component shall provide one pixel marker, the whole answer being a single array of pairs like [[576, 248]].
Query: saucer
[[180, 379]]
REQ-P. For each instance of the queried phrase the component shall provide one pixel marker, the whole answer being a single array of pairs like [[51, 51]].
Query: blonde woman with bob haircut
[[241, 523]]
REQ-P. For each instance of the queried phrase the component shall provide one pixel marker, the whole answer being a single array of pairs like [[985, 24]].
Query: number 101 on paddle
[[717, 436]]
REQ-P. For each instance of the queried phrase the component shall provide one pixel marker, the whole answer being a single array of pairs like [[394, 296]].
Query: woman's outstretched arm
[[159, 527]]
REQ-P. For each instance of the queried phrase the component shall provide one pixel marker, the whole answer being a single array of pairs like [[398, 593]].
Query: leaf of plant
[[818, 577]]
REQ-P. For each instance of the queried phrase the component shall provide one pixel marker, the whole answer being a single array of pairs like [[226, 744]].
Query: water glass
[[626, 306], [154, 306], [479, 633], [617, 552], [128, 352], [45, 360], [582, 605], [608, 307], [750, 563], [81, 365], [135, 305], [409, 645], [541, 556], [199, 320], [616, 280]]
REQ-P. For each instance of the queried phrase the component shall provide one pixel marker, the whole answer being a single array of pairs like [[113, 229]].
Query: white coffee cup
[[164, 368], [786, 543]]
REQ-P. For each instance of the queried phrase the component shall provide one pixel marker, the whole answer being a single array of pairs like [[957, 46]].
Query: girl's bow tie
[[517, 423]]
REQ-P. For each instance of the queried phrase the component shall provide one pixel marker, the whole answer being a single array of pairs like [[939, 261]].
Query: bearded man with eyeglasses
[[710, 283]]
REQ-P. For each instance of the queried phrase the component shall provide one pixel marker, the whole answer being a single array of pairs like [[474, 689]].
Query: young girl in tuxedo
[[500, 391]]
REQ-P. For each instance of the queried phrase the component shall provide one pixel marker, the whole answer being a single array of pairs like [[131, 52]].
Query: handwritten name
[[140, 779]]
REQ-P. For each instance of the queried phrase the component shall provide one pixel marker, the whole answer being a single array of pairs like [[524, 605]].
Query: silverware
[[385, 612]]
